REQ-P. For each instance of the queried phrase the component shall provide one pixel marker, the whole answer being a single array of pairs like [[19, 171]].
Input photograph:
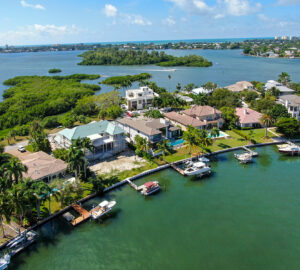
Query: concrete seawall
[[138, 176]]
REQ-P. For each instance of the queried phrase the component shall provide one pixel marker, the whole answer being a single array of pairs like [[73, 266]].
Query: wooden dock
[[177, 169], [84, 214], [133, 185], [254, 154]]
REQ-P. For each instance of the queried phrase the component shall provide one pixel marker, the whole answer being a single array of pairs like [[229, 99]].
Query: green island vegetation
[[116, 56], [126, 81], [54, 101], [54, 70]]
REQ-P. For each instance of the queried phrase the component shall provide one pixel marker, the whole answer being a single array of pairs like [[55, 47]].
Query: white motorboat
[[203, 159], [244, 158], [102, 209], [198, 168], [4, 262], [289, 148], [150, 188]]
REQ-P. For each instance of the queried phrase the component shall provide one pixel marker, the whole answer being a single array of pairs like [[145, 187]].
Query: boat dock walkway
[[133, 185], [84, 214], [254, 154], [177, 169]]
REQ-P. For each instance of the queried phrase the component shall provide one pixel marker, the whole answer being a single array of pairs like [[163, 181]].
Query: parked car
[[21, 149]]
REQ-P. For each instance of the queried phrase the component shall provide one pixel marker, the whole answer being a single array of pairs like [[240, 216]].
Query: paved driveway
[[15, 146]]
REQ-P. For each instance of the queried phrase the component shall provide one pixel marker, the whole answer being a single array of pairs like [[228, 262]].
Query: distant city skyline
[[34, 22]]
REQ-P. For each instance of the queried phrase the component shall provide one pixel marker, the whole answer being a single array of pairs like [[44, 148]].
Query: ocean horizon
[[209, 40]]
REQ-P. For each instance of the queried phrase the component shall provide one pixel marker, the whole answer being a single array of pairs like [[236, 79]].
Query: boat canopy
[[148, 184]]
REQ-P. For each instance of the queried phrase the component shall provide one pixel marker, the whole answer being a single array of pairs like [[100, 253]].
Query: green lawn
[[220, 144]]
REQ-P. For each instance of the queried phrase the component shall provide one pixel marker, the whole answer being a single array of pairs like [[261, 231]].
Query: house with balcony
[[292, 103], [283, 90], [154, 130], [106, 136], [138, 99], [211, 117]]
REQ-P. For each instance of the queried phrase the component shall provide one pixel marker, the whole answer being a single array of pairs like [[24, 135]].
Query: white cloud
[[263, 17], [135, 19], [220, 9], [193, 6], [36, 6], [169, 21], [37, 33], [241, 7], [110, 10], [288, 2]]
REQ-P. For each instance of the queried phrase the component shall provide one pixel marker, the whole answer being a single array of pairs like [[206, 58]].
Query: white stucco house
[[138, 99]]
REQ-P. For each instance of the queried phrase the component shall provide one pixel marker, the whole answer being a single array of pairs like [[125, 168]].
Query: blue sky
[[66, 21]]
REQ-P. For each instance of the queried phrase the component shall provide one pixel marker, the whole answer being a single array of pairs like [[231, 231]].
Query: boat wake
[[162, 70]]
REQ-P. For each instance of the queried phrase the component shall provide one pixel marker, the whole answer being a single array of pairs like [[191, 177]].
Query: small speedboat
[[102, 209], [289, 148], [244, 158], [198, 168], [21, 242], [4, 262], [150, 188]]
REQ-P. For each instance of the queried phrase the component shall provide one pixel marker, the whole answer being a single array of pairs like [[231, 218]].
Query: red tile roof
[[200, 111], [247, 115], [185, 120]]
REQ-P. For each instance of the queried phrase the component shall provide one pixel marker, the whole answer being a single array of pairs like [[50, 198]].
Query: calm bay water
[[242, 217], [229, 66]]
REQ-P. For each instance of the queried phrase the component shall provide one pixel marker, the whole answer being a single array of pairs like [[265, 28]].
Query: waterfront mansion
[[201, 117], [107, 138], [138, 99]]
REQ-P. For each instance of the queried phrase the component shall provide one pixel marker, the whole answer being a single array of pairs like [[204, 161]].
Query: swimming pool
[[176, 142], [221, 135]]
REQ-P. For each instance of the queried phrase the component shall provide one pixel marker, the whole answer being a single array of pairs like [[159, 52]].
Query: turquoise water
[[229, 66], [177, 142], [242, 217], [221, 135]]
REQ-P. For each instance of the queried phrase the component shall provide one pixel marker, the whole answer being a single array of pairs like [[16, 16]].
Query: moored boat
[[19, 243], [289, 148], [4, 262], [244, 158], [150, 188], [198, 168], [102, 209]]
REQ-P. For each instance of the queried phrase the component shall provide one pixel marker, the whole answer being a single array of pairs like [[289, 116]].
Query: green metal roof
[[91, 129]]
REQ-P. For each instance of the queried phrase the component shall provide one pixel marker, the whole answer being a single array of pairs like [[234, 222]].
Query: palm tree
[[169, 77], [76, 159], [141, 143], [164, 147], [13, 169], [41, 191], [54, 193], [22, 198], [5, 209], [203, 138], [215, 132], [266, 120], [190, 137]]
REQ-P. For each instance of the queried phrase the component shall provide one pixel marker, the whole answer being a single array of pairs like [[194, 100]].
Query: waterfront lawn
[[234, 140]]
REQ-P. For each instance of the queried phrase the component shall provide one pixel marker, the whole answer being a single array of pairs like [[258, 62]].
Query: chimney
[[245, 111]]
